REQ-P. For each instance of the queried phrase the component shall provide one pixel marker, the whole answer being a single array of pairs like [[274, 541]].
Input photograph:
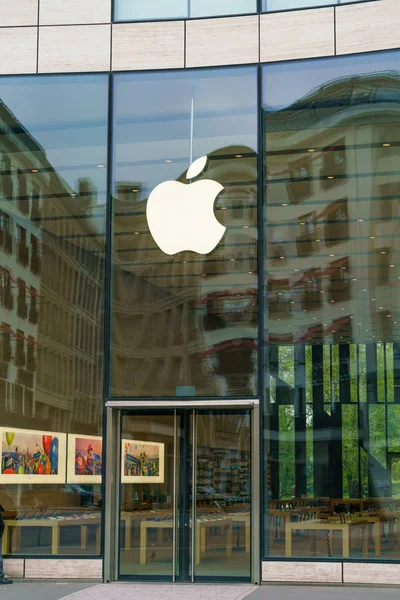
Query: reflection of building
[[51, 291], [332, 209], [191, 321], [338, 184]]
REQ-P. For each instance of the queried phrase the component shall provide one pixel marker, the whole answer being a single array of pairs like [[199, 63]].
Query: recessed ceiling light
[[304, 310], [372, 299], [358, 323], [342, 309], [360, 220], [35, 170], [232, 260], [250, 272], [245, 226], [371, 237], [383, 252], [392, 266], [73, 195], [135, 190], [168, 160], [281, 257], [184, 262], [296, 270], [136, 232], [284, 204], [332, 301], [239, 155], [100, 166], [317, 240], [204, 274], [331, 177], [355, 279], [386, 145], [311, 150], [388, 316], [223, 207], [364, 290], [381, 308]]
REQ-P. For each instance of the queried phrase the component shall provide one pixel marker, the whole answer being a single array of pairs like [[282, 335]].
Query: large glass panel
[[126, 10], [223, 494], [332, 140], [185, 322], [276, 5], [53, 138], [149, 454]]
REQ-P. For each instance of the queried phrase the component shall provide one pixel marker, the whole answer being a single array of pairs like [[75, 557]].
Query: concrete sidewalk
[[132, 591]]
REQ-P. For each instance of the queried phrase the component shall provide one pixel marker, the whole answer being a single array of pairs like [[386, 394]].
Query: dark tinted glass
[[332, 189], [125, 10], [52, 195], [185, 323]]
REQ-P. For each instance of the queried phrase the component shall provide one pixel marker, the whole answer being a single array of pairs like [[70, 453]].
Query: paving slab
[[313, 592], [43, 590], [129, 591]]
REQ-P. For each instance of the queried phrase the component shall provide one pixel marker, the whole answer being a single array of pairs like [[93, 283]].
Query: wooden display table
[[330, 527], [55, 525], [202, 524]]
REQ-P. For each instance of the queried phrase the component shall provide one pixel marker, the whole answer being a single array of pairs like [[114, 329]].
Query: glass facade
[[198, 310], [332, 189], [277, 5], [126, 10], [52, 220], [303, 194]]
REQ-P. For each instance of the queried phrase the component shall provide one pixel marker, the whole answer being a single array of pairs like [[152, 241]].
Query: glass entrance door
[[185, 495]]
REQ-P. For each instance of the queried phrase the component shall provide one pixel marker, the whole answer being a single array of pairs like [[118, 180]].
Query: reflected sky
[[286, 83]]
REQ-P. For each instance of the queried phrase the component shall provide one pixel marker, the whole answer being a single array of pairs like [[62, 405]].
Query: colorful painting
[[85, 459], [29, 456], [142, 462]]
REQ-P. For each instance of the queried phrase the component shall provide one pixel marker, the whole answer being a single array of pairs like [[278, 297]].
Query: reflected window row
[[125, 10]]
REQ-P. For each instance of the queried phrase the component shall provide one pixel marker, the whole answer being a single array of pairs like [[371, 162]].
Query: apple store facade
[[200, 302]]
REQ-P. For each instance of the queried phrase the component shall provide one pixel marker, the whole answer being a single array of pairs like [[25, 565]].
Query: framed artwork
[[29, 456], [85, 459], [142, 462]]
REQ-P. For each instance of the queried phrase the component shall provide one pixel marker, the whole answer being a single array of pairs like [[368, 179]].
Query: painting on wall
[[29, 456], [142, 462], [85, 459]]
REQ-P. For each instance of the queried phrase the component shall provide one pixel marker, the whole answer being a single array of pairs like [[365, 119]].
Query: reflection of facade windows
[[336, 222], [339, 280], [35, 256], [334, 165], [22, 248], [312, 297], [299, 185], [306, 240], [6, 242], [6, 294], [22, 306]]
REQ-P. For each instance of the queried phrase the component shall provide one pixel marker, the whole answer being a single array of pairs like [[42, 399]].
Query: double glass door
[[185, 495]]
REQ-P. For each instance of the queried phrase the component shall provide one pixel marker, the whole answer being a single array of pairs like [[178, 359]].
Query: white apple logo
[[181, 216]]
